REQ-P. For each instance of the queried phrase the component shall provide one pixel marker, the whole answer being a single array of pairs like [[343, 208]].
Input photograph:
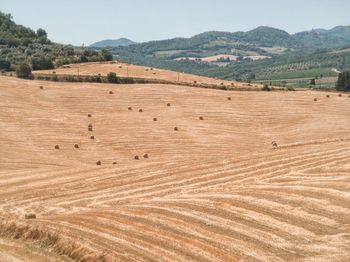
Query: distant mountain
[[261, 53], [113, 43]]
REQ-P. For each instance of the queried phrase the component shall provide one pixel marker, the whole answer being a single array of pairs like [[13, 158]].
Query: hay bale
[[221, 83], [201, 118], [30, 216], [327, 96], [76, 146], [90, 125], [90, 129], [57, 147], [140, 110], [89, 115], [176, 129], [111, 92], [195, 81], [229, 98], [168, 104], [41, 87], [114, 163], [92, 137], [155, 119], [315, 99], [340, 95], [98, 163], [145, 155], [136, 157]]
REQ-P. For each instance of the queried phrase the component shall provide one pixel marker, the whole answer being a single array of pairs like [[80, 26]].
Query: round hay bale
[[176, 129], [41, 87], [221, 83], [114, 163], [57, 147], [76, 146], [195, 81], [168, 104], [340, 95], [201, 118], [89, 115], [129, 108], [90, 125], [140, 110], [315, 99], [145, 155], [110, 92], [98, 163], [92, 137], [30, 216], [136, 157], [90, 129], [327, 96], [229, 98], [155, 119]]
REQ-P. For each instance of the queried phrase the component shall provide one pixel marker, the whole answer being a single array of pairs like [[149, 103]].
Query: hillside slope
[[214, 190]]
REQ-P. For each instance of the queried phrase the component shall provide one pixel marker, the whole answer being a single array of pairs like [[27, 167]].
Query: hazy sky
[[87, 21]]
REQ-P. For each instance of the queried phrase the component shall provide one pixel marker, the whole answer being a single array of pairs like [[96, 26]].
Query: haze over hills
[[113, 43]]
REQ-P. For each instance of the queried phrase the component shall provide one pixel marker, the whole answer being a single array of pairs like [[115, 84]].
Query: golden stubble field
[[212, 190], [129, 70]]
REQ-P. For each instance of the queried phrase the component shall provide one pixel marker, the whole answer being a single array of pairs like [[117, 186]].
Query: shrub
[[24, 71], [42, 63], [343, 83], [5, 65], [266, 88], [112, 77]]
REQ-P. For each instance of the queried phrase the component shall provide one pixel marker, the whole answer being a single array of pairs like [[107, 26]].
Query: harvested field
[[216, 190], [127, 70]]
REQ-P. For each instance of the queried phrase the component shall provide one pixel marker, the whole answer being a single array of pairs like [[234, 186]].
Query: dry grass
[[216, 191], [127, 70], [51, 241]]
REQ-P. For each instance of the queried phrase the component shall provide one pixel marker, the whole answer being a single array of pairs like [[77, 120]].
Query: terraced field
[[214, 189]]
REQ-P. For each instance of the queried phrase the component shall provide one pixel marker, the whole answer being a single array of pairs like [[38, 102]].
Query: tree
[[42, 63], [112, 77], [24, 71], [106, 55], [313, 82], [5, 65], [41, 33], [343, 83]]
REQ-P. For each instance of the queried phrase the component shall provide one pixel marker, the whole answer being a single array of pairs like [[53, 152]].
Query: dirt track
[[215, 190]]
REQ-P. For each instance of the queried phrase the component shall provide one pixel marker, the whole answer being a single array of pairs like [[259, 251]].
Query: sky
[[80, 22]]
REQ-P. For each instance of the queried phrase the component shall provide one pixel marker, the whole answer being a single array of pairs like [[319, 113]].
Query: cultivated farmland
[[207, 184]]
